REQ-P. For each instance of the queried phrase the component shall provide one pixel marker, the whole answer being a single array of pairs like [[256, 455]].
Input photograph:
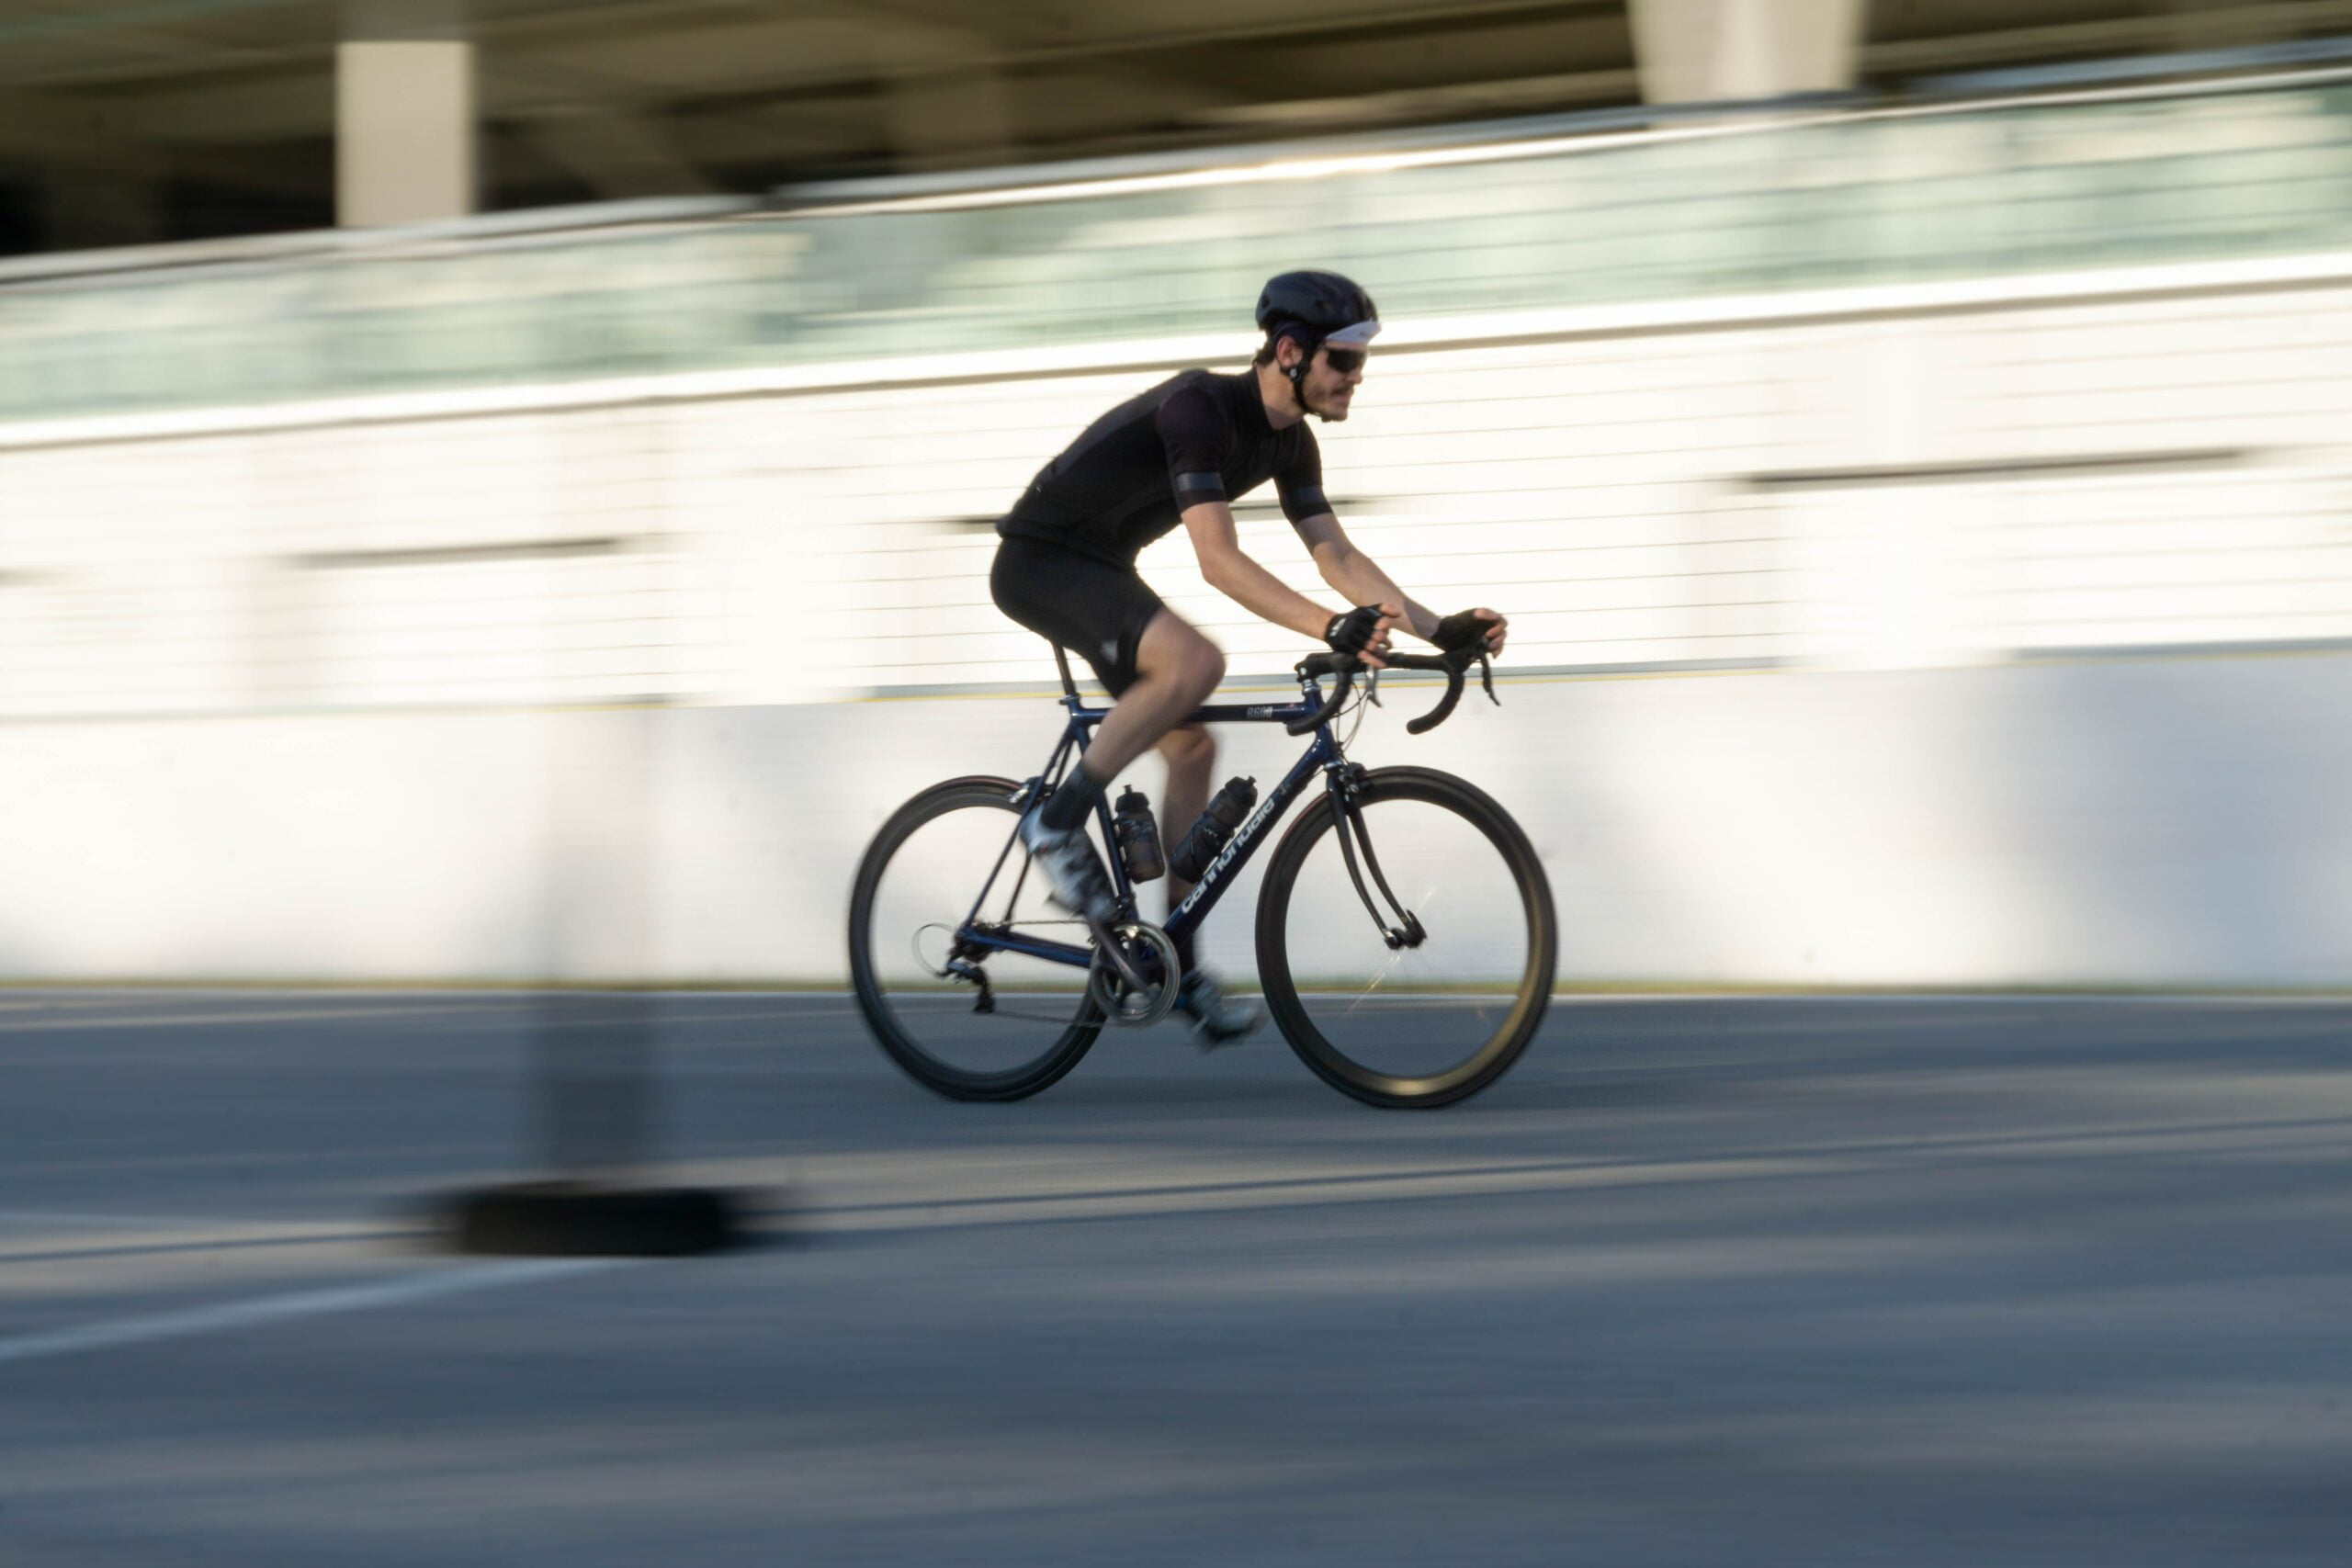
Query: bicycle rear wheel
[[947, 855], [1432, 1020]]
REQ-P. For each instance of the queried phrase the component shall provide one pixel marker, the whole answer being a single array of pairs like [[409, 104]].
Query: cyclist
[[1182, 452]]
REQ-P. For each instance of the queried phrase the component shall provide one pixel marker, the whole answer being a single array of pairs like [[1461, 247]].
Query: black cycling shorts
[[1096, 610]]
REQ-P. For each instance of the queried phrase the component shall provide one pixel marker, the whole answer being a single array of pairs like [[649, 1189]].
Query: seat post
[[1061, 662]]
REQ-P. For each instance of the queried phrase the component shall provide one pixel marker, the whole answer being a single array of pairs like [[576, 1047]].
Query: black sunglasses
[[1346, 361]]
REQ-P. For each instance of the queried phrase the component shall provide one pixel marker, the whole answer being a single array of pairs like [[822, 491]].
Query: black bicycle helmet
[[1315, 308], [1319, 308]]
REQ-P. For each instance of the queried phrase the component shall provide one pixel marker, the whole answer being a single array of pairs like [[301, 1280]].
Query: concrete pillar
[[404, 129], [1713, 50]]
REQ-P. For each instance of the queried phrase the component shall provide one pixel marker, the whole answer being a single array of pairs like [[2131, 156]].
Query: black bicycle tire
[[950, 794], [1491, 1060]]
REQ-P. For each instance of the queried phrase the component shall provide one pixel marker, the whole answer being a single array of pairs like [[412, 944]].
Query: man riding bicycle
[[1182, 452]]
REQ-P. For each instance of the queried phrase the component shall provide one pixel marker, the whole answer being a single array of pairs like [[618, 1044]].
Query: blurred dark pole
[[594, 1049], [596, 1031], [595, 1038]]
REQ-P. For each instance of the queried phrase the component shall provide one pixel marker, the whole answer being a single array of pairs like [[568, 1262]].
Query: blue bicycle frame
[[1323, 754]]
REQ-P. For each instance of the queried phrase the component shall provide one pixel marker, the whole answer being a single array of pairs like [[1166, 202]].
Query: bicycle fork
[[1408, 931]]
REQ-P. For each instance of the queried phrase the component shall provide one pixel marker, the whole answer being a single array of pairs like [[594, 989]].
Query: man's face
[[1326, 389]]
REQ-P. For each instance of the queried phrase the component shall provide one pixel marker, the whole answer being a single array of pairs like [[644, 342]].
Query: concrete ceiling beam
[[619, 156], [67, 133], [2148, 30]]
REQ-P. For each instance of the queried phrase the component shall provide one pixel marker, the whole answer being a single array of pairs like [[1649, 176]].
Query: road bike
[[1406, 936]]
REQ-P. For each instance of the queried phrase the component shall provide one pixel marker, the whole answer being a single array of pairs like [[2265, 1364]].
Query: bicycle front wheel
[[968, 1021], [1445, 1012]]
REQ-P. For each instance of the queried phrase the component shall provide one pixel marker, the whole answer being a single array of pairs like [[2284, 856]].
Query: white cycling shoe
[[1074, 875]]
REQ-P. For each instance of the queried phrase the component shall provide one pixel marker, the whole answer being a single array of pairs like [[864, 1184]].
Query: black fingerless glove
[[1351, 633], [1461, 629]]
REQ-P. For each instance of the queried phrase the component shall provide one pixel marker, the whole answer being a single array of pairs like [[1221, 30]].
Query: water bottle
[[1137, 837], [1226, 812]]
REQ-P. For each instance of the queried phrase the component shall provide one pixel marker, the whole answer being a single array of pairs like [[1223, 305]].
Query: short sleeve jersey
[[1196, 436]]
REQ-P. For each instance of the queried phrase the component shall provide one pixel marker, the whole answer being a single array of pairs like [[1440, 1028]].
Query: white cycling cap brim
[[1360, 332]]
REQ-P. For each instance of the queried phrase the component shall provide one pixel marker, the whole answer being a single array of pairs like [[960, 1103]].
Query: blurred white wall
[[2155, 822], [1906, 634]]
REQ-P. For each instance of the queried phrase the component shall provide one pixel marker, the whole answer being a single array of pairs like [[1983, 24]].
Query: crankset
[[1136, 974]]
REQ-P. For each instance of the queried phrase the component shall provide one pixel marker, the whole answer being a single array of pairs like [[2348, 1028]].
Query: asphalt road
[[1739, 1281]]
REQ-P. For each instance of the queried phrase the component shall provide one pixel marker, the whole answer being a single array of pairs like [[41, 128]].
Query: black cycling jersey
[[1196, 436]]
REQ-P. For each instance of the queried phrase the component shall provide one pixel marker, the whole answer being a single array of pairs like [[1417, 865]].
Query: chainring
[[1122, 1004]]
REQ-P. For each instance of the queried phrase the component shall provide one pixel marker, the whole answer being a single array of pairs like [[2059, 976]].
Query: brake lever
[[1486, 679], [1372, 688]]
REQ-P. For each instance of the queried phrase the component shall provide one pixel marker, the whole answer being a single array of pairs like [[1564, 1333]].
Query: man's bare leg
[[1176, 669], [1189, 753]]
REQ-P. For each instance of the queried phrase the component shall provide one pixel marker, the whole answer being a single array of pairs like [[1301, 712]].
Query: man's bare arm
[[1255, 590], [1355, 574], [1351, 572]]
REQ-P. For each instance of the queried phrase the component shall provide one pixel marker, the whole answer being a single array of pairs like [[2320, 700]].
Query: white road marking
[[230, 1315], [65, 1219]]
